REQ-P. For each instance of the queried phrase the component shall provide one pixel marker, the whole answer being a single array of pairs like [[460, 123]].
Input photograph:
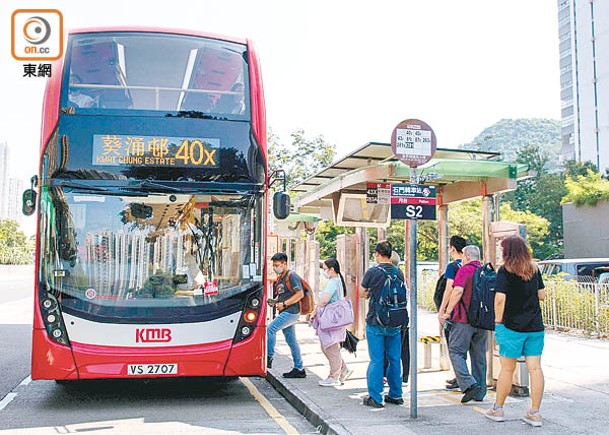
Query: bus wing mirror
[[29, 202], [281, 205]]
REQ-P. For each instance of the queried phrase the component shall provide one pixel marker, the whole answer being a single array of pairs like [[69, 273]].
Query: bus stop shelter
[[338, 193]]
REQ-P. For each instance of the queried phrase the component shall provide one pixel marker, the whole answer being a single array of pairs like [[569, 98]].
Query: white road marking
[[7, 399], [11, 396], [26, 381]]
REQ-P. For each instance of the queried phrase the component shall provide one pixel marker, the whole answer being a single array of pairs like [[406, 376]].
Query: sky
[[347, 70]]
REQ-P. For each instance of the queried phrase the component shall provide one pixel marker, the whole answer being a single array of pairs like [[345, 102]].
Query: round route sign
[[413, 142]]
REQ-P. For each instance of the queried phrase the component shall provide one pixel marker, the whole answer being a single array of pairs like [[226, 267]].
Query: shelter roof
[[378, 152], [459, 174]]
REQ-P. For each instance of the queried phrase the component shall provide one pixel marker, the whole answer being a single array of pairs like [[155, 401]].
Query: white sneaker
[[495, 414], [534, 420], [329, 382], [345, 375]]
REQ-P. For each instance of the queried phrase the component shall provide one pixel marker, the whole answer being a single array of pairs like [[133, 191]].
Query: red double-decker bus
[[152, 205]]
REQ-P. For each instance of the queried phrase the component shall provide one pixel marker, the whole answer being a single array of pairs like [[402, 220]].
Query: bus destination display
[[154, 151]]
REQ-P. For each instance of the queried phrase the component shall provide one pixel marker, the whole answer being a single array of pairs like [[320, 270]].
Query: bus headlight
[[53, 321], [250, 317]]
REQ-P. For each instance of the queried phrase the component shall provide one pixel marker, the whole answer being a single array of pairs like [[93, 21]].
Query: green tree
[[15, 248], [465, 219], [301, 158], [541, 195], [573, 168], [10, 234], [326, 234], [537, 228], [586, 189]]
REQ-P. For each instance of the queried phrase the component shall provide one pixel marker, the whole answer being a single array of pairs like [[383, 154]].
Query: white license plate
[[152, 369]]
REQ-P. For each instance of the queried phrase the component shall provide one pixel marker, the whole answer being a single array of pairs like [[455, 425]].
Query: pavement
[[575, 401]]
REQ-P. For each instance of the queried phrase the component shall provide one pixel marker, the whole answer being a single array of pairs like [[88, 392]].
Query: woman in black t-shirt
[[519, 329]]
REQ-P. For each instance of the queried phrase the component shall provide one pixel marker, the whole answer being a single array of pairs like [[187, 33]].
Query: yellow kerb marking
[[269, 408], [478, 409], [457, 400]]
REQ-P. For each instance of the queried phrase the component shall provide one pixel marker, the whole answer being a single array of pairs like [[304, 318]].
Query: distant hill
[[509, 135]]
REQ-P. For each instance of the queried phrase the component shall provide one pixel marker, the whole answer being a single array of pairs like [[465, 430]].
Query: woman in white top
[[333, 291]]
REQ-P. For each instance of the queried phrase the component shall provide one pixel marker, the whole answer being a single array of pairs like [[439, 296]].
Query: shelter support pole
[[487, 207], [497, 206], [487, 215], [380, 234], [362, 255], [443, 238]]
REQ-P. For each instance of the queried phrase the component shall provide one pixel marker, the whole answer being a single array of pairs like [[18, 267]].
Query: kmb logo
[[152, 335], [37, 34]]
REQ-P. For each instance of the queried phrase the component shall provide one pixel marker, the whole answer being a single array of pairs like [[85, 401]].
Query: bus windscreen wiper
[[80, 186], [108, 190], [154, 185]]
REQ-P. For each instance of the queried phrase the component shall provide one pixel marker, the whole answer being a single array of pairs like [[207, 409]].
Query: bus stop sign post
[[414, 143]]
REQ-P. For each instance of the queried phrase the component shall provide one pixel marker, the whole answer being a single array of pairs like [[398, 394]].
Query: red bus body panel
[[54, 361], [257, 99], [51, 360]]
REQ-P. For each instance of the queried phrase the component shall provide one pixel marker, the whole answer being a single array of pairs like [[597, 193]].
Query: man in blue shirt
[[383, 342]]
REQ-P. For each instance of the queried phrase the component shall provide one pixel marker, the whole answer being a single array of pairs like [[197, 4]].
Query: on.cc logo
[[36, 30]]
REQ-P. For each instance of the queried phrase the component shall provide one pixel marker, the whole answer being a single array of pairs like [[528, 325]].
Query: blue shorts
[[514, 344]]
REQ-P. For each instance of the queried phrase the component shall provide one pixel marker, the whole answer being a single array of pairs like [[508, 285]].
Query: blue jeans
[[384, 343], [284, 322], [465, 338]]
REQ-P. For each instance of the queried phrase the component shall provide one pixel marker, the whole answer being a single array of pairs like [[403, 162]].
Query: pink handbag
[[336, 315]]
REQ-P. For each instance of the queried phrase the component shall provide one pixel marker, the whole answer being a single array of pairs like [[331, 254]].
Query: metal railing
[[570, 306], [578, 307]]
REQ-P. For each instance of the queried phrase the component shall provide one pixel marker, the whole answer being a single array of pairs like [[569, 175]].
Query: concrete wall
[[586, 230]]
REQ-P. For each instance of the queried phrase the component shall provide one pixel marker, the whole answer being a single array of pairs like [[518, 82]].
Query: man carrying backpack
[[463, 337], [444, 288], [288, 295], [384, 286]]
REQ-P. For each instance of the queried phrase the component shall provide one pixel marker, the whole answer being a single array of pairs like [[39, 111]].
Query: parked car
[[580, 269], [601, 275]]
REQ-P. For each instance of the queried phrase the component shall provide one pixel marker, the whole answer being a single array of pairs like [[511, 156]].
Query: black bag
[[391, 304], [481, 311], [441, 287]]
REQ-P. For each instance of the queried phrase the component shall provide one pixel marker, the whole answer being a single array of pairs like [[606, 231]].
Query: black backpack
[[392, 302], [481, 311], [441, 287]]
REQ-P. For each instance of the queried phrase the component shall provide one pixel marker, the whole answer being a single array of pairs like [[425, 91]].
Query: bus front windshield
[[123, 256], [156, 72]]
